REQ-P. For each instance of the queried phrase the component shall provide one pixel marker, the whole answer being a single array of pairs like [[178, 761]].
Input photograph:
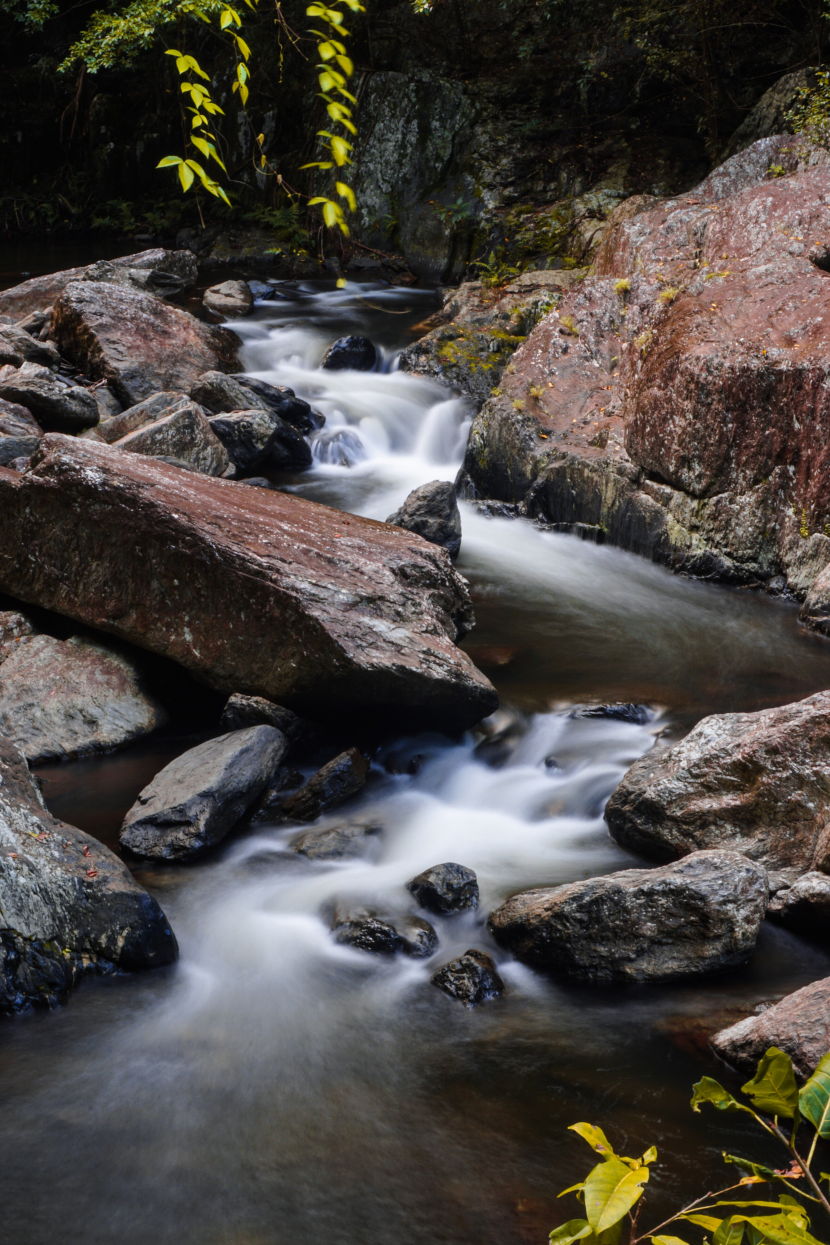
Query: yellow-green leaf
[[709, 1090], [730, 1232], [667, 1240], [611, 1190], [650, 1155], [348, 194], [573, 1230], [185, 176], [773, 1087], [588, 1132], [168, 161], [814, 1099]]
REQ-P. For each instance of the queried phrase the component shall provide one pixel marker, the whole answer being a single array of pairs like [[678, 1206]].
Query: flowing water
[[274, 1087]]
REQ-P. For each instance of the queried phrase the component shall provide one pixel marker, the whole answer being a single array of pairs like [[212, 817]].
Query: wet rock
[[471, 979], [221, 394], [445, 889], [378, 932], [330, 787], [637, 715], [356, 354], [267, 810], [138, 416], [804, 906], [67, 905], [752, 782], [432, 511], [226, 394], [136, 342], [347, 842], [20, 433], [282, 402], [152, 281], [40, 293], [56, 406], [799, 1025], [29, 348], [196, 799], [62, 699], [242, 711], [185, 436], [258, 439], [251, 590], [229, 300], [700, 915]]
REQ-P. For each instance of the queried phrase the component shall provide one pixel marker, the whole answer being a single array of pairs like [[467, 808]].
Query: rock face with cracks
[[68, 906], [700, 915], [758, 783], [253, 591], [799, 1025], [431, 510]]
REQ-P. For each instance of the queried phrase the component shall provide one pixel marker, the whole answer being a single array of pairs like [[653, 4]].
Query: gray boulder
[[68, 906], [153, 281], [257, 439], [445, 889], [799, 1025], [63, 699], [432, 511], [138, 416], [228, 300], [20, 433], [347, 842], [282, 402], [356, 354], [471, 979], [196, 799], [700, 915], [804, 906], [29, 348], [752, 782], [56, 406], [241, 711], [330, 787], [221, 394], [184, 435], [369, 929]]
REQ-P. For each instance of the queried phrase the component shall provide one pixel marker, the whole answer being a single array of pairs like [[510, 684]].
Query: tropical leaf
[[773, 1088], [709, 1222], [814, 1099], [666, 1240], [588, 1132], [185, 175], [573, 1230], [611, 1190], [730, 1232], [780, 1229], [754, 1169], [168, 162], [709, 1090]]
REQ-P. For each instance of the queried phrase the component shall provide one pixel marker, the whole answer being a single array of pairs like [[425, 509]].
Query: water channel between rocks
[[274, 1087]]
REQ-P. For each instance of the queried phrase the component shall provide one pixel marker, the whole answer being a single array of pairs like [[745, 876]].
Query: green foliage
[[810, 115], [495, 271], [453, 214]]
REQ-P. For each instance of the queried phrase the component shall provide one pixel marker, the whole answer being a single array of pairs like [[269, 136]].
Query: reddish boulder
[[252, 590], [40, 293], [799, 1025], [183, 434]]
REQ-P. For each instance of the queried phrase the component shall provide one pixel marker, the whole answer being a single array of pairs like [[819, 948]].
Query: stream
[[274, 1088]]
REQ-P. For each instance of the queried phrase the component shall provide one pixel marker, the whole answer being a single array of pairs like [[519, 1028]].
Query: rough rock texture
[[471, 979], [445, 889], [357, 354], [29, 348], [146, 412], [67, 904], [55, 405], [755, 782], [185, 435], [431, 511], [379, 932], [799, 1025], [699, 915], [196, 799], [673, 403], [242, 711], [42, 292], [228, 300], [153, 281], [347, 842], [769, 116], [280, 401], [804, 906], [257, 439], [251, 590], [62, 699], [20, 433], [234, 394], [138, 343], [330, 787]]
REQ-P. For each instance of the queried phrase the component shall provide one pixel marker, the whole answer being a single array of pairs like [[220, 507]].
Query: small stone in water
[[638, 715], [445, 889], [472, 979]]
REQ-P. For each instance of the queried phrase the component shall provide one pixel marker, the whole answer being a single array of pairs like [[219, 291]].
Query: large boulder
[[184, 434], [431, 510], [39, 293], [20, 433], [700, 915], [196, 799], [138, 416], [257, 439], [253, 591], [804, 906], [56, 405], [68, 906], [62, 699], [228, 300], [799, 1025], [222, 394], [753, 782], [136, 342]]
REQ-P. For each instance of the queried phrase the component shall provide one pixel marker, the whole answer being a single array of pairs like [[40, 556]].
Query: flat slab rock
[[799, 1025], [64, 698], [700, 915], [752, 782], [68, 906], [254, 591], [196, 799]]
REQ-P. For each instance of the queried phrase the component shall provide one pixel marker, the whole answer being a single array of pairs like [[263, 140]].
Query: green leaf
[[650, 1155], [752, 1169], [347, 193], [185, 175], [168, 161], [773, 1088], [573, 1230], [666, 1240], [814, 1099], [709, 1090], [703, 1221], [730, 1232], [611, 1190], [588, 1132], [780, 1229]]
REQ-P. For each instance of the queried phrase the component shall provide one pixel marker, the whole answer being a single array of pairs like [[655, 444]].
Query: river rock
[[799, 1025], [347, 842], [229, 300], [220, 394], [56, 406], [42, 292], [13, 627], [432, 512], [242, 711], [61, 699], [29, 348], [257, 439], [196, 799], [68, 906], [804, 906], [699, 915], [185, 436], [637, 715], [471, 979], [136, 342], [138, 416], [368, 929], [282, 402], [20, 433], [445, 889], [356, 354], [330, 787], [753, 782], [153, 281], [251, 590]]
